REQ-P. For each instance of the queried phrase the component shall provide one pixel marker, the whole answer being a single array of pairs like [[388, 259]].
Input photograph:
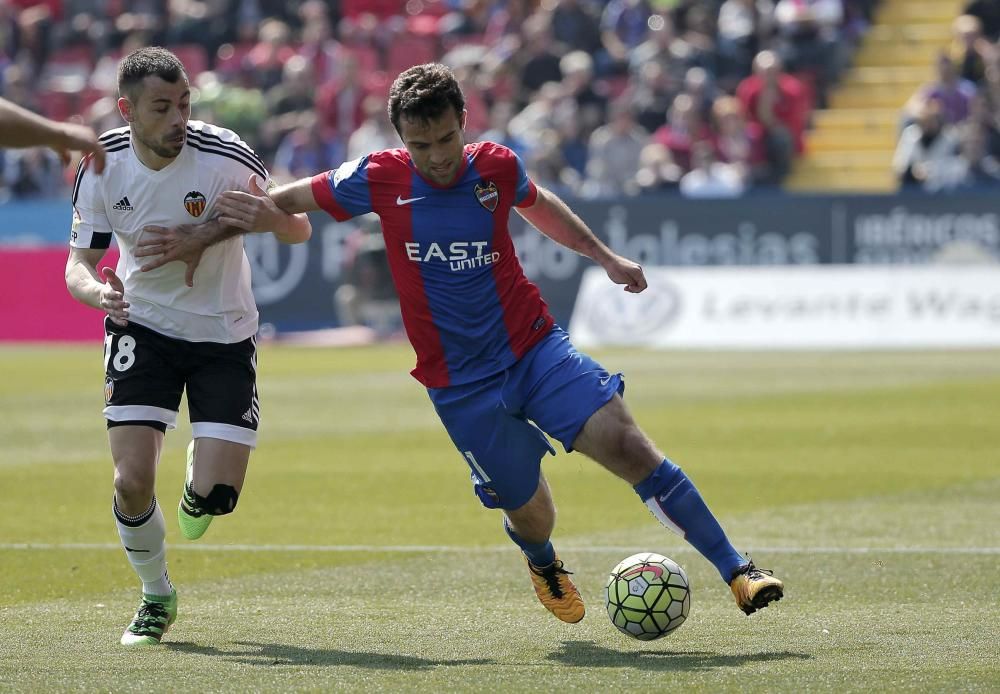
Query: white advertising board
[[802, 307]]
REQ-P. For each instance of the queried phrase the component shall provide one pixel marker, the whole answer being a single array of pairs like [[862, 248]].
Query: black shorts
[[146, 374]]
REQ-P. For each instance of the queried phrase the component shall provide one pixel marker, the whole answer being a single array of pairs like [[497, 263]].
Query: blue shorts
[[497, 422]]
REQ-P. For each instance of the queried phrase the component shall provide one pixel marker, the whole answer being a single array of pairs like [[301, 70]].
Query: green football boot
[[155, 615], [192, 520]]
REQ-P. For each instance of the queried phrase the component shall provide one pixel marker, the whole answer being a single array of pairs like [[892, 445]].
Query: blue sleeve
[[524, 189], [349, 186]]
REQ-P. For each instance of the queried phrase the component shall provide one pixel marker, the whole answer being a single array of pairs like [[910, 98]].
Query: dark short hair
[[423, 93], [152, 60]]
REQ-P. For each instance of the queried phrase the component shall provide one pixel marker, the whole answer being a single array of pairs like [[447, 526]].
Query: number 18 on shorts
[[146, 374]]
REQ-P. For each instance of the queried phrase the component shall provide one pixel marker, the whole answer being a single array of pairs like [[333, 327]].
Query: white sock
[[144, 540]]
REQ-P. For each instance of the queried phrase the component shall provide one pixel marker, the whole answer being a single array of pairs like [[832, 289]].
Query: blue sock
[[676, 503], [539, 554]]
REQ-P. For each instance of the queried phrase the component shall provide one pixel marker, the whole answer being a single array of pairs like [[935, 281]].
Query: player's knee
[[220, 501], [134, 489]]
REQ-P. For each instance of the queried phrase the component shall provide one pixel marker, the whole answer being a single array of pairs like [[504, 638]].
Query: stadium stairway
[[850, 145]]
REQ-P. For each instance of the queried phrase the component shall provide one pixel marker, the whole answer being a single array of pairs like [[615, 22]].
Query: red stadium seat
[[407, 51], [86, 98], [194, 58], [73, 55], [379, 8], [377, 83], [55, 105], [67, 69], [60, 105], [229, 56]]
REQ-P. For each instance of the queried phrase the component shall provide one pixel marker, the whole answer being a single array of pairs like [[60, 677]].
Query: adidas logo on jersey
[[248, 415], [122, 205]]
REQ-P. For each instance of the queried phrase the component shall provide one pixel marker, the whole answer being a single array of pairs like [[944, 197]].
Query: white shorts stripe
[[226, 432], [132, 413], [475, 465]]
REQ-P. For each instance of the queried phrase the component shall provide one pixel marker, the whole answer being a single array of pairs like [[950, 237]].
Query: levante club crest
[[194, 203], [488, 195]]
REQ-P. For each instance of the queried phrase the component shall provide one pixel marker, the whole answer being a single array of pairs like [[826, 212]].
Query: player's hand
[[253, 211], [624, 271], [79, 138], [181, 243], [113, 298]]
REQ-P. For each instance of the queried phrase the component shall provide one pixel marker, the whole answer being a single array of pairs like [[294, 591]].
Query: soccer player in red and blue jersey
[[496, 367]]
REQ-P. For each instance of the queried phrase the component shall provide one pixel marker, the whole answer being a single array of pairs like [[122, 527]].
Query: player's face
[[435, 146], [159, 115]]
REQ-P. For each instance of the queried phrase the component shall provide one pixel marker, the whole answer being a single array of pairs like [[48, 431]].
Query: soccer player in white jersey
[[164, 332]]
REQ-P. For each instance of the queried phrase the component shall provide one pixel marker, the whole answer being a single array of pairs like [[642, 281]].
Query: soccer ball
[[647, 596]]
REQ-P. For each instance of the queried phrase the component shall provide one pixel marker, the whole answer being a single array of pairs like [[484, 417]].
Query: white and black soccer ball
[[648, 596]]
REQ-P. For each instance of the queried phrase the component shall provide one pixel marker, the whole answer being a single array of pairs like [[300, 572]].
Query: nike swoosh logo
[[129, 549], [400, 200], [652, 568]]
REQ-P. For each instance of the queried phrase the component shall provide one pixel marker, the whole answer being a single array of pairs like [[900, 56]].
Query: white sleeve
[[91, 228], [251, 165], [242, 160]]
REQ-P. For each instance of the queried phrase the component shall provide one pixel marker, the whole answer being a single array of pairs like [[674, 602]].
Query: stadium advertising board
[[818, 307], [36, 307], [295, 285], [766, 230]]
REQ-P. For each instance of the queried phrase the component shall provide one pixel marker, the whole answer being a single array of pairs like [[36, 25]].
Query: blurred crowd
[[950, 128], [600, 98]]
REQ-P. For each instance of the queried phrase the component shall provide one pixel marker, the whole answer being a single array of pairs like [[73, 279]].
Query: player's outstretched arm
[[295, 197], [86, 285], [239, 213], [22, 128], [551, 216], [281, 210]]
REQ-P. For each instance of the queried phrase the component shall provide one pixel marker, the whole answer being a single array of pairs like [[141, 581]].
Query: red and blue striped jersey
[[468, 309]]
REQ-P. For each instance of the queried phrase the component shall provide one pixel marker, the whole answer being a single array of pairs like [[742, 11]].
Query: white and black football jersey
[[220, 307]]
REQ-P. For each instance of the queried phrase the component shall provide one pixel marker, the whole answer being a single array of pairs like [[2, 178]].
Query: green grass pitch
[[360, 560]]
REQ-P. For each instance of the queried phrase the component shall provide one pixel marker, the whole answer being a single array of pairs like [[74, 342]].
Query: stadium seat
[[229, 57], [376, 82], [67, 69], [86, 98], [72, 55], [407, 51], [194, 58], [379, 8], [57, 105]]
